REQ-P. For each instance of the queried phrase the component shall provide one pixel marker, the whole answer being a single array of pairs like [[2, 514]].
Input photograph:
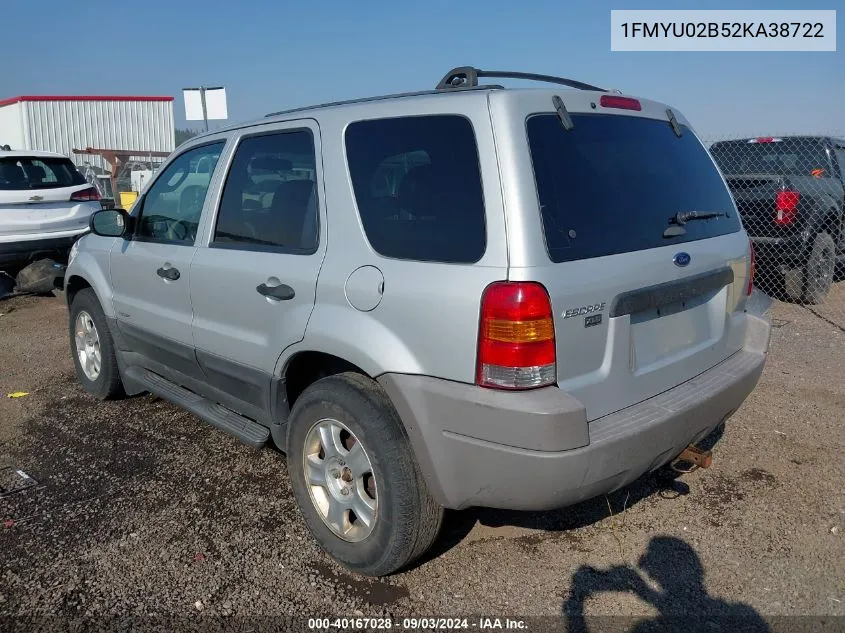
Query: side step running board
[[249, 432]]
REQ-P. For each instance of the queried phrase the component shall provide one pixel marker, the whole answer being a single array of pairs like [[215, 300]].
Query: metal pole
[[204, 113]]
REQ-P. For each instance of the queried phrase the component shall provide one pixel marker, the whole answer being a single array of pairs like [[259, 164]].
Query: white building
[[64, 123]]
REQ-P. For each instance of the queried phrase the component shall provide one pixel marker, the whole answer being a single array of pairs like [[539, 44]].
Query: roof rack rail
[[397, 95], [467, 76]]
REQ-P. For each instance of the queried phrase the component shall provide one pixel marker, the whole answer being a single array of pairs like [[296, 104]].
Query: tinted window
[[418, 187], [611, 184], [172, 207], [24, 172], [270, 196], [392, 170], [789, 157]]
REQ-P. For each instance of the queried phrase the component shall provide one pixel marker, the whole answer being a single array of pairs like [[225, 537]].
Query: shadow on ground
[[681, 599]]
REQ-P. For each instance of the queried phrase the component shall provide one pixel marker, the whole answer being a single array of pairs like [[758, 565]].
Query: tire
[[406, 518], [86, 308], [819, 270]]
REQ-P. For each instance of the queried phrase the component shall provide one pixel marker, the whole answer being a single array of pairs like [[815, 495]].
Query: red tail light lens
[[85, 195], [516, 338], [624, 103], [752, 267], [786, 206]]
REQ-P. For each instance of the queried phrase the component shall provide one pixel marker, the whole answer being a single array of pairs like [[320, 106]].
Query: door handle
[[282, 292], [168, 273]]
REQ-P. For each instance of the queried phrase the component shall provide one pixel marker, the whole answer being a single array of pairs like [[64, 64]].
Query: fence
[[790, 193]]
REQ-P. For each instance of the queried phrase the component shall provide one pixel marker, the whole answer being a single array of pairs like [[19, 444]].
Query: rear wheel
[[92, 347], [818, 273], [355, 478]]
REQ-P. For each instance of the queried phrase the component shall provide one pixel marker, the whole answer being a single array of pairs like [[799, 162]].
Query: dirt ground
[[140, 508]]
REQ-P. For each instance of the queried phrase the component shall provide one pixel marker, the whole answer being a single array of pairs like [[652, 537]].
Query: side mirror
[[110, 222]]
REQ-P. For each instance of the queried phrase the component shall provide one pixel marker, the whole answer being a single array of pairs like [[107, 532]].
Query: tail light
[[786, 206], [516, 338], [624, 103], [752, 267], [85, 195]]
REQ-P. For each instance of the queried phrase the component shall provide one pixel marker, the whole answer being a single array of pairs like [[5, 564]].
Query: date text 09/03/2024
[[415, 624]]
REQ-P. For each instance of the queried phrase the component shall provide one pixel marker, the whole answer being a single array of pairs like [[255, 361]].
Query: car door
[[253, 284], [151, 271]]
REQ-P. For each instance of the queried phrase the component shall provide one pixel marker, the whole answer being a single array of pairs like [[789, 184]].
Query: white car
[[45, 205]]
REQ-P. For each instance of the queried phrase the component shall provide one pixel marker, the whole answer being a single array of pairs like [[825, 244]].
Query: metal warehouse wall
[[61, 126], [11, 126]]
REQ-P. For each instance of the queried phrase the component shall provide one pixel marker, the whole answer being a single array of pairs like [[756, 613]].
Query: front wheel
[[355, 478], [92, 347], [818, 273]]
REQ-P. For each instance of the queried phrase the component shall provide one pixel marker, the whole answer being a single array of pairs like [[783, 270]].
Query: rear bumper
[[478, 447], [29, 247], [792, 250]]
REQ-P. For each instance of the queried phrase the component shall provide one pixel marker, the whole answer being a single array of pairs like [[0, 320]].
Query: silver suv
[[470, 296]]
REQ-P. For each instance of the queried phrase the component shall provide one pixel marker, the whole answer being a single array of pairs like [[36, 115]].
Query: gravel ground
[[141, 509]]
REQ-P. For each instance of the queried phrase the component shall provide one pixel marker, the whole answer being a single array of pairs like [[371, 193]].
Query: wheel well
[[73, 286], [306, 368]]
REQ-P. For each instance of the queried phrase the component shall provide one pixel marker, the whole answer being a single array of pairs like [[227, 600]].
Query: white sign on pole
[[215, 103], [193, 104]]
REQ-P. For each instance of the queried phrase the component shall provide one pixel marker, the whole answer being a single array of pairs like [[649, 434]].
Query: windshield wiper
[[676, 222]]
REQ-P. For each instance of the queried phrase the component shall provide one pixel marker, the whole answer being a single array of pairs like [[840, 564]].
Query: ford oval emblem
[[682, 259]]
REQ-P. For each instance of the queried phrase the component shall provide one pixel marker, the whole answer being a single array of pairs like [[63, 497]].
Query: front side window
[[172, 207], [417, 183], [269, 199]]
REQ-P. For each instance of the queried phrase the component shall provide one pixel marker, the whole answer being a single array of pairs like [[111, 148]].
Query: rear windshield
[[611, 184], [789, 157], [25, 172]]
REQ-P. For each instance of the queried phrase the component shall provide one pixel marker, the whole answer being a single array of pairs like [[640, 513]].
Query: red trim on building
[[11, 100]]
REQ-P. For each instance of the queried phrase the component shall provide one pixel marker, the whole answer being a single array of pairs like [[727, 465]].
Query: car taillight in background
[[752, 267], [85, 195], [516, 338], [786, 206]]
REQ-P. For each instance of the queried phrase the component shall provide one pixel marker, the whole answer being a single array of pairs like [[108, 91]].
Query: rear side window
[[788, 157], [270, 197], [417, 184], [611, 184], [25, 172]]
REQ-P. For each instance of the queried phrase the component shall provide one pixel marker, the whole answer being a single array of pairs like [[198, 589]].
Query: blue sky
[[271, 55]]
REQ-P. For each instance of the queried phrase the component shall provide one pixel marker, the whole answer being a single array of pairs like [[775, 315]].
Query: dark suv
[[790, 192]]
